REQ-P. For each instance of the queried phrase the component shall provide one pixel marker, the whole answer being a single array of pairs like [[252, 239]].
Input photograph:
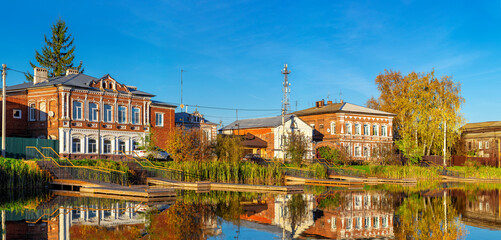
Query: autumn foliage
[[180, 221], [188, 145], [86, 232], [422, 102]]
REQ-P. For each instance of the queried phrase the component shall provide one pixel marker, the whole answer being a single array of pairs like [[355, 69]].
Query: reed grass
[[482, 172], [21, 175], [399, 172], [229, 172], [109, 164]]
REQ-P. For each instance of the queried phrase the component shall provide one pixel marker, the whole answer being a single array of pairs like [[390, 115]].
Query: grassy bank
[[22, 175], [398, 172], [478, 172]]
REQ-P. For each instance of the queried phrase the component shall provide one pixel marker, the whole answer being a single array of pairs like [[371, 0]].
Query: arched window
[[92, 146], [121, 145], [75, 146], [107, 146]]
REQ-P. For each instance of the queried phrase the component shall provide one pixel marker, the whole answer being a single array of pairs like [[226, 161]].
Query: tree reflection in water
[[182, 221], [296, 214], [424, 217]]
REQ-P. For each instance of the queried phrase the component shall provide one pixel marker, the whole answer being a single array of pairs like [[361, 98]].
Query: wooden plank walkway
[[470, 179], [207, 186], [374, 180], [141, 193], [144, 194], [323, 182]]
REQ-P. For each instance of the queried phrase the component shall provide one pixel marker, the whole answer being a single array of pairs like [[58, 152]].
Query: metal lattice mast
[[285, 106]]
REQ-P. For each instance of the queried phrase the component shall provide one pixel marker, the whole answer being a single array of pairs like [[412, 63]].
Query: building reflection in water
[[338, 215], [480, 209], [40, 224]]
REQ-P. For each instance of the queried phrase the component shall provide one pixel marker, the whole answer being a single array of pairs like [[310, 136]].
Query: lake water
[[453, 211]]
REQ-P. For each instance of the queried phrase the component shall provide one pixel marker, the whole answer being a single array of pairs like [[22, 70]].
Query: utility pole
[[182, 106], [99, 134], [285, 106], [238, 124], [4, 106]]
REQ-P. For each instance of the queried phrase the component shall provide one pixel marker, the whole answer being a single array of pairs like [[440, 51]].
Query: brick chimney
[[71, 71], [320, 103], [329, 102], [40, 75]]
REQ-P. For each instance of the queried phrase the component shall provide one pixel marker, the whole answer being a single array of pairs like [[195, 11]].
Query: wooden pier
[[233, 187], [375, 180], [141, 193], [323, 182]]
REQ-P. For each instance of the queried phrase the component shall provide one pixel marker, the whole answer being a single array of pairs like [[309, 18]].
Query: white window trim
[[385, 132], [156, 119], [110, 120], [32, 116], [367, 133], [333, 128], [95, 144], [124, 115], [377, 128], [138, 120], [73, 110], [96, 113], [349, 128], [14, 113], [80, 143], [359, 129]]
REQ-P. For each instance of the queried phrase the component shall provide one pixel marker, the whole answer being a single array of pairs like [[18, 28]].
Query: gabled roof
[[73, 80], [249, 140], [482, 125], [184, 117], [341, 108], [258, 122], [162, 104]]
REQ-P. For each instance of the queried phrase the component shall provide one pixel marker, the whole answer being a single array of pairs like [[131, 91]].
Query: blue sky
[[233, 51]]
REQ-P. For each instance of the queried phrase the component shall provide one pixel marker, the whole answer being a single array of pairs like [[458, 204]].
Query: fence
[[437, 160], [15, 147], [484, 161]]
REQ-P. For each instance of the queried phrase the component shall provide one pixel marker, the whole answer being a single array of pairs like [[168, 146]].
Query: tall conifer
[[57, 55]]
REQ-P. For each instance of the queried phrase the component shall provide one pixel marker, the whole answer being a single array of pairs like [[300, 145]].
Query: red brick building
[[481, 139], [196, 120], [89, 116], [360, 131]]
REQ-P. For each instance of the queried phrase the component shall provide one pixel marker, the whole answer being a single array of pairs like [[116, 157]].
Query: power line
[[194, 105]]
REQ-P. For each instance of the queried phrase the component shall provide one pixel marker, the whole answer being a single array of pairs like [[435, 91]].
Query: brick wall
[[160, 133], [15, 126]]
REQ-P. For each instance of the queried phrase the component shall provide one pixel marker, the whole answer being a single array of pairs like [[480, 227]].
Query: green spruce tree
[[57, 55]]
